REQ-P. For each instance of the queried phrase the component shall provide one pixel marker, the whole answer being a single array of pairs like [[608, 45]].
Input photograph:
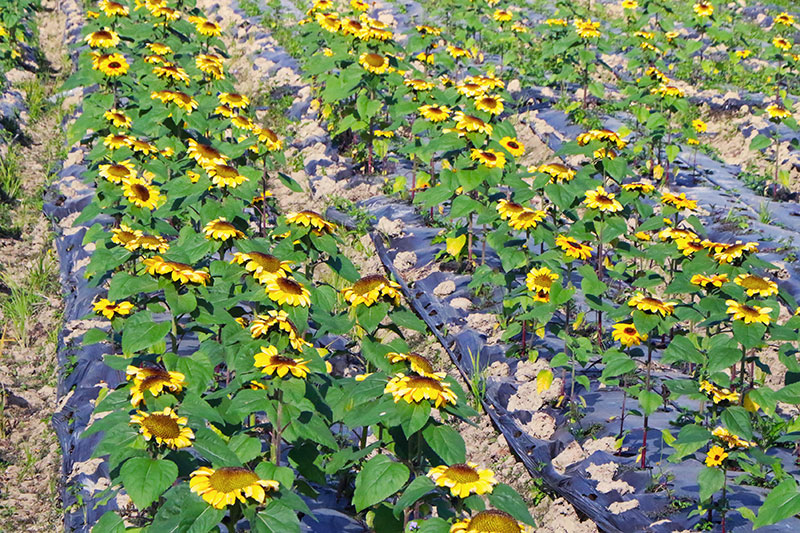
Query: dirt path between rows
[[30, 301]]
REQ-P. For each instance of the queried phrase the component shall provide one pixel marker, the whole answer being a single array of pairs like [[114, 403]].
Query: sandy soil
[[29, 451]]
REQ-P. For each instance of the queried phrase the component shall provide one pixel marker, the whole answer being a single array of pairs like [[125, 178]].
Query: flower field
[[307, 248]]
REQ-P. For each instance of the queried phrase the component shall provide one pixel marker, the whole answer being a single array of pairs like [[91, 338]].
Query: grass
[[10, 177], [35, 98], [477, 381], [18, 308]]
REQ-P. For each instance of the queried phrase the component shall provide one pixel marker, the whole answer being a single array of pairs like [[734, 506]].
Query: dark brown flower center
[[374, 60], [231, 478], [141, 192], [162, 426], [290, 286], [462, 473], [493, 521]]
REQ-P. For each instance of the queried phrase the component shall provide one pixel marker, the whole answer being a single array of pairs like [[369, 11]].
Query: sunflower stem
[[234, 517]]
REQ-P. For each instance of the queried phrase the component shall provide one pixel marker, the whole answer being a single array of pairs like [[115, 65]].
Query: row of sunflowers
[[14, 31], [599, 254], [226, 316]]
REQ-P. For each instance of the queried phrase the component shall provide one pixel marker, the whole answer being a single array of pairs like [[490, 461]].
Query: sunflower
[[508, 209], [205, 154], [727, 253], [627, 335], [142, 146], [117, 172], [126, 237], [512, 146], [756, 285], [110, 309], [602, 200], [490, 104], [470, 123], [743, 54], [651, 305], [166, 427], [639, 186], [716, 455], [179, 271], [211, 65], [288, 291], [784, 18], [540, 280], [424, 29], [557, 172], [557, 22], [369, 289], [113, 9], [234, 100], [782, 43], [527, 219], [677, 234], [456, 52], [224, 175], [153, 380], [310, 219], [419, 85], [208, 28], [435, 113], [105, 38], [167, 13], [463, 479], [731, 440], [491, 521], [220, 229], [502, 15], [719, 394], [172, 72], [665, 90], [572, 248], [224, 486], [270, 363], [414, 389], [716, 280], [656, 74], [264, 267], [749, 314], [586, 29], [629, 4], [489, 158], [159, 48], [269, 138], [153, 243], [355, 28], [776, 111], [140, 193], [688, 247], [418, 363], [112, 65], [489, 81], [601, 135], [703, 9], [699, 126], [375, 63], [359, 5], [117, 118], [678, 201]]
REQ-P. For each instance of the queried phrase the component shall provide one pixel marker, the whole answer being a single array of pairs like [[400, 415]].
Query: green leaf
[[507, 499], [760, 142], [782, 502], [379, 478], [690, 439], [418, 488], [406, 319], [276, 518], [710, 481], [649, 401], [434, 525], [290, 182], [446, 443], [110, 522], [737, 420], [146, 479], [749, 335], [141, 332]]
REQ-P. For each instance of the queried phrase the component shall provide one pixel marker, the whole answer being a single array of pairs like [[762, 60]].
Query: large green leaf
[[146, 479], [782, 502], [710, 481], [507, 499], [380, 477], [141, 332]]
